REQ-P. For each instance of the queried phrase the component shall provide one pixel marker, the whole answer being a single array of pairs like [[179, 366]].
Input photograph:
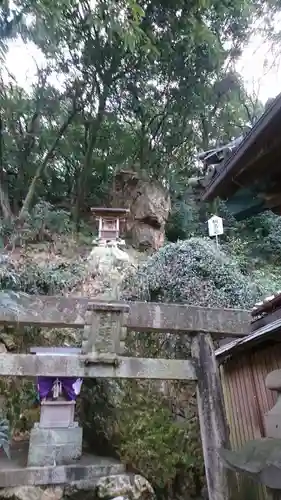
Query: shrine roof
[[248, 178], [109, 211]]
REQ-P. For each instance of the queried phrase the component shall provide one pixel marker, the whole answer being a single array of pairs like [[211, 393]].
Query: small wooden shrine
[[109, 222]]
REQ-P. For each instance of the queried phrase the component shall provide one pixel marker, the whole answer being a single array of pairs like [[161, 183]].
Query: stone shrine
[[56, 438], [109, 222]]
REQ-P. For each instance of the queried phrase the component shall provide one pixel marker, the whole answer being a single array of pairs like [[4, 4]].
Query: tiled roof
[[266, 321]]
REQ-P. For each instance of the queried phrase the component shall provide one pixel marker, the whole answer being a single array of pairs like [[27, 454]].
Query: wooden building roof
[[249, 179], [265, 326], [110, 212]]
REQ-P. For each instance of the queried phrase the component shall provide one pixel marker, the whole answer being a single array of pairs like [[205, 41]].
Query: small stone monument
[[56, 438], [109, 222]]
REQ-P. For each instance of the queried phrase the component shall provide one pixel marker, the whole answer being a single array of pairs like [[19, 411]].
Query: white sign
[[215, 226]]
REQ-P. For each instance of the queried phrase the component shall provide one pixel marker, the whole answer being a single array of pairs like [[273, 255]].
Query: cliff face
[[149, 206]]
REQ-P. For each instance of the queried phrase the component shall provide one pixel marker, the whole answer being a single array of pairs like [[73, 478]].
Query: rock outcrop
[[117, 487], [104, 258], [149, 206], [123, 487]]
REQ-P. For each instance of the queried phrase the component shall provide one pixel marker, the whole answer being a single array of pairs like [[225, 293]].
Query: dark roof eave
[[258, 336], [233, 163], [103, 210]]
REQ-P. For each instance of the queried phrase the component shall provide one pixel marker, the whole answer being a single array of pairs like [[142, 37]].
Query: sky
[[259, 68]]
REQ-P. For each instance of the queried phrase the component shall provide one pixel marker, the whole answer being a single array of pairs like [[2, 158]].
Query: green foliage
[[145, 85], [153, 443], [5, 436], [50, 279], [45, 216], [263, 234], [43, 223], [20, 397], [184, 221], [97, 412], [195, 272], [162, 91]]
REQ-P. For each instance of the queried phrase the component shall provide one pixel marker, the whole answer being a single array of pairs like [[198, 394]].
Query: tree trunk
[[83, 175], [4, 200], [41, 168]]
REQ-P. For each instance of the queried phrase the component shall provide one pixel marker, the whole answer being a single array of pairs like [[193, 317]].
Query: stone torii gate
[[104, 329]]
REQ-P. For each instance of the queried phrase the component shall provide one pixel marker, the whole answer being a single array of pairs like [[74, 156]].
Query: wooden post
[[214, 433]]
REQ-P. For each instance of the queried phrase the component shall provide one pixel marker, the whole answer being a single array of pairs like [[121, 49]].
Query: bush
[[39, 225], [263, 233], [44, 215], [31, 278], [183, 222], [152, 442], [188, 218], [194, 272]]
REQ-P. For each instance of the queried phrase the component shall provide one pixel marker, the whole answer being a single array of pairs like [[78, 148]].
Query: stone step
[[86, 471]]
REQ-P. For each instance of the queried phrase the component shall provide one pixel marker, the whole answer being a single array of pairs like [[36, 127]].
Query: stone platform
[[57, 446], [88, 470]]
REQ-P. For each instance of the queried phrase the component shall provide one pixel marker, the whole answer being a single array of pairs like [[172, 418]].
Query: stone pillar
[[56, 438], [105, 331]]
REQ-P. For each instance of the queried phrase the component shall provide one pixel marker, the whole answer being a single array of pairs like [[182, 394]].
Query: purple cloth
[[45, 385]]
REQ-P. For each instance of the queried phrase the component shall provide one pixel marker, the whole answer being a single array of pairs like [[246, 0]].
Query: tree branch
[[41, 168]]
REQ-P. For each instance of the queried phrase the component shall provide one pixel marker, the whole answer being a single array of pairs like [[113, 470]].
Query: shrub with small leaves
[[195, 272], [44, 215], [35, 279], [153, 442], [40, 224]]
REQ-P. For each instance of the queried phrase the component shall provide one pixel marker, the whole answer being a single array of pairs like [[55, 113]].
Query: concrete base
[[54, 446], [85, 473]]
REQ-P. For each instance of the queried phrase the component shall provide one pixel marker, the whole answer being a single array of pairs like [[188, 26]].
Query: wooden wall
[[245, 395]]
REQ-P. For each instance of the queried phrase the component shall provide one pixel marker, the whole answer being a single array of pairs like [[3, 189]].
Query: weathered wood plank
[[74, 366], [214, 433], [23, 309]]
